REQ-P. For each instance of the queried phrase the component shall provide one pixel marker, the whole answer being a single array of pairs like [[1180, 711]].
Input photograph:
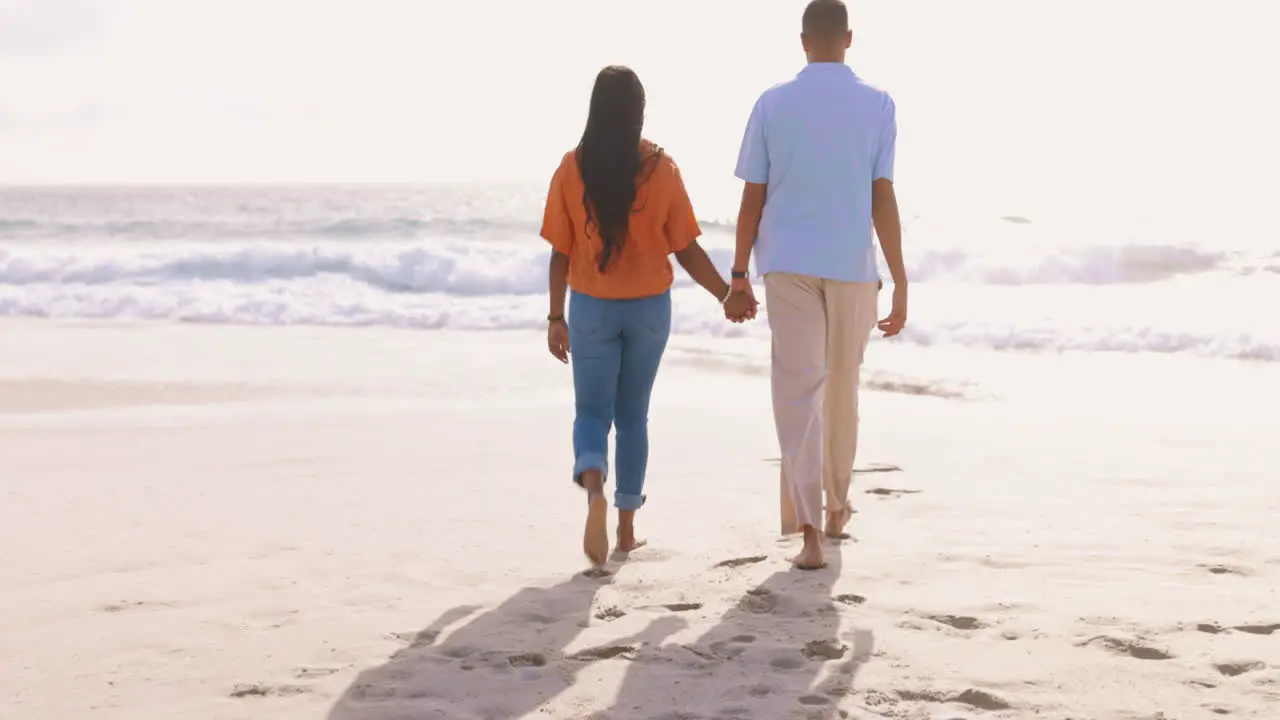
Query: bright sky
[[1090, 97]]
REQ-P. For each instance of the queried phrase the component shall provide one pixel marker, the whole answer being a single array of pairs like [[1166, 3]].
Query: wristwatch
[[738, 274]]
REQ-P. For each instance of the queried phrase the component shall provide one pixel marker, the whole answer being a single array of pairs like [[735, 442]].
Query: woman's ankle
[[592, 482]]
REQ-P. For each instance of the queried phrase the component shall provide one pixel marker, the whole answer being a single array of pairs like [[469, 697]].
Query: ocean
[[468, 257]]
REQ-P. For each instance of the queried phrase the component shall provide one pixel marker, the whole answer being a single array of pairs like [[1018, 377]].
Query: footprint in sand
[[1213, 628], [724, 649], [609, 614], [929, 696], [1224, 570], [981, 699], [527, 660], [876, 468], [891, 492], [740, 562], [596, 573], [959, 622], [759, 601], [973, 697], [1132, 648], [606, 653], [787, 662], [1235, 669], [258, 690], [310, 673], [849, 599], [682, 607], [1258, 629], [124, 605], [824, 650]]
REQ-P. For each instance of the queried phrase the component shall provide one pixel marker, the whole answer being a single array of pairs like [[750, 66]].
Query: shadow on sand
[[777, 653], [500, 665]]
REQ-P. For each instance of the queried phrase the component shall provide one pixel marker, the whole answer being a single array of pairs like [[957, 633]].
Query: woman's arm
[[557, 328], [695, 262], [557, 283]]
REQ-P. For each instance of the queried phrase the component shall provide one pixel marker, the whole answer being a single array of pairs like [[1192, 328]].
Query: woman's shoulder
[[657, 158], [567, 170]]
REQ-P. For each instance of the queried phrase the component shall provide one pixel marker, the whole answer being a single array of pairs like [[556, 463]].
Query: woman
[[616, 210]]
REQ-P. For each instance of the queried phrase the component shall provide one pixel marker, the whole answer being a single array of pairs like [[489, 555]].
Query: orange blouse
[[662, 222]]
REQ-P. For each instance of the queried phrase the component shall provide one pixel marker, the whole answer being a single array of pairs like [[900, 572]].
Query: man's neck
[[826, 58]]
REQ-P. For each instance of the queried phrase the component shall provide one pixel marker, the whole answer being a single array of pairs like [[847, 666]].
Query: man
[[817, 160]]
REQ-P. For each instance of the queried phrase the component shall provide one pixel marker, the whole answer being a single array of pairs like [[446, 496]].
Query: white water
[[468, 257]]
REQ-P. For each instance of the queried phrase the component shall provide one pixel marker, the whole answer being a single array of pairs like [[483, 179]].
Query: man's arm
[[753, 170], [749, 214], [884, 214]]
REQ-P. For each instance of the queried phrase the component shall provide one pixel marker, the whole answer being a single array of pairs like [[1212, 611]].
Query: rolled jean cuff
[[628, 502], [594, 461]]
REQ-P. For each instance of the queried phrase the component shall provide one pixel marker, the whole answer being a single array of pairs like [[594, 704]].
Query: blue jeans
[[616, 347]]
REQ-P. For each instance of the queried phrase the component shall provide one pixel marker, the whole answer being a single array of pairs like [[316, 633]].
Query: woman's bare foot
[[810, 557], [836, 522], [595, 537], [627, 532]]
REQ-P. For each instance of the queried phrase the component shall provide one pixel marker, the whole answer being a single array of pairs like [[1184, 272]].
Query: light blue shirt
[[818, 141]]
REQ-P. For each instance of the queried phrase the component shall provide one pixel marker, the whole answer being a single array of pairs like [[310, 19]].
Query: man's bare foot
[[627, 532], [836, 522], [810, 557], [627, 544], [595, 537]]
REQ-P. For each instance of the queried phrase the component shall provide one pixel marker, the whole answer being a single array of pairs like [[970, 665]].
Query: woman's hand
[[558, 339]]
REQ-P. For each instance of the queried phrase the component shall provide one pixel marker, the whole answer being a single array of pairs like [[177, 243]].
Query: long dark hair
[[610, 157]]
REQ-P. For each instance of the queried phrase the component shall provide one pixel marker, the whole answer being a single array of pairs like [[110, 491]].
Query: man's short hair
[[825, 19]]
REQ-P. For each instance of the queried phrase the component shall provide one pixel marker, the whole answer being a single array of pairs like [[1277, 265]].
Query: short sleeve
[[888, 141], [682, 224], [753, 156], [557, 225]]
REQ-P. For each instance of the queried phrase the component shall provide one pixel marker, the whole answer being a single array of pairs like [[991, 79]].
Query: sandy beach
[[370, 524]]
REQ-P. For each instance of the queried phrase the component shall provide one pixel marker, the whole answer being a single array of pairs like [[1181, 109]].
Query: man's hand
[[741, 288], [558, 340], [897, 319], [740, 307]]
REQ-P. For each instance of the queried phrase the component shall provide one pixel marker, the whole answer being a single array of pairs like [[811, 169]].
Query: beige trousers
[[820, 332]]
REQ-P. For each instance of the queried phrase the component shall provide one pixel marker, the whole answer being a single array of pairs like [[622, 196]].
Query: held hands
[[741, 304]]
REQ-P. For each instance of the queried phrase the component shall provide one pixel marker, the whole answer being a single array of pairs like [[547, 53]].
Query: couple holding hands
[[817, 166]]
